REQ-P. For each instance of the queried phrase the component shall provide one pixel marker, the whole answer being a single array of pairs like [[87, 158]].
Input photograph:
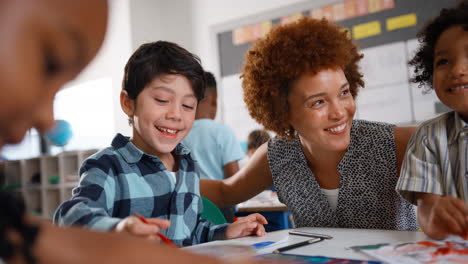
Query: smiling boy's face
[[44, 44], [450, 76], [163, 114]]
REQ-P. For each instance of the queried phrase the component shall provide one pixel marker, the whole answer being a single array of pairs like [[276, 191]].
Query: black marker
[[300, 244], [309, 234]]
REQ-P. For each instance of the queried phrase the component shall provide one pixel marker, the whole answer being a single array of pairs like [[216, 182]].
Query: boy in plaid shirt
[[152, 173]]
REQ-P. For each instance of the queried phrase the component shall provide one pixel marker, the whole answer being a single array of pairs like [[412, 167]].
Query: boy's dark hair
[[152, 59], [256, 138], [210, 81], [424, 58]]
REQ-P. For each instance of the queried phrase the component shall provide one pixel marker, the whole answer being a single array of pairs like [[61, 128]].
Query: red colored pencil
[[164, 238]]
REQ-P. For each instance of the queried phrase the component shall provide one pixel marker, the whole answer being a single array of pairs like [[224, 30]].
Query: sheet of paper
[[452, 250], [229, 248], [312, 259]]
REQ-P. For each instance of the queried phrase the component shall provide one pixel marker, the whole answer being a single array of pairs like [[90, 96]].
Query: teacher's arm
[[246, 183], [402, 136], [231, 168]]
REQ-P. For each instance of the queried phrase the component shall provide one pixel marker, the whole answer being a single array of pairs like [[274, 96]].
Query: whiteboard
[[390, 103]]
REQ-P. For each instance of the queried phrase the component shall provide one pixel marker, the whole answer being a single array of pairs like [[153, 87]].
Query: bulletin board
[[384, 30]]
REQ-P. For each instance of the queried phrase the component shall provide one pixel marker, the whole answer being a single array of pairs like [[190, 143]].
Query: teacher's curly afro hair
[[306, 46]]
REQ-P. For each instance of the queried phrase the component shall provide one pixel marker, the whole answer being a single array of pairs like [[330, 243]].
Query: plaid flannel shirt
[[122, 179]]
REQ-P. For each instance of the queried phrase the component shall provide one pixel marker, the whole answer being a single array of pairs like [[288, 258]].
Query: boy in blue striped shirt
[[435, 169], [152, 173]]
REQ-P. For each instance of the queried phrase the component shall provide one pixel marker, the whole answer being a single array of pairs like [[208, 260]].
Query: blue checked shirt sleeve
[[92, 202], [421, 171], [207, 231]]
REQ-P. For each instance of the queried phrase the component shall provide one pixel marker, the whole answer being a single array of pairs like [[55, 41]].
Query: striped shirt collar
[[132, 154], [460, 128]]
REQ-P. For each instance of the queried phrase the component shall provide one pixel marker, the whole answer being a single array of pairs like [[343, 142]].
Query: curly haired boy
[[434, 174]]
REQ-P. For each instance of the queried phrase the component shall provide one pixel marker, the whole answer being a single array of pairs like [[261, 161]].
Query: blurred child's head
[[44, 44], [255, 139], [162, 86], [442, 59], [209, 105]]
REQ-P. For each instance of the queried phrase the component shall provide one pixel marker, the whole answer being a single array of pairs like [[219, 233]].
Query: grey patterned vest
[[367, 196]]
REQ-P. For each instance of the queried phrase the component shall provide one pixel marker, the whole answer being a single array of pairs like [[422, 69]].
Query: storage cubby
[[11, 175], [31, 172], [69, 164], [49, 170], [44, 182], [51, 198]]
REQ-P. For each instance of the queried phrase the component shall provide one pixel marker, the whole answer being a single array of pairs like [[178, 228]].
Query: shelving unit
[[44, 182]]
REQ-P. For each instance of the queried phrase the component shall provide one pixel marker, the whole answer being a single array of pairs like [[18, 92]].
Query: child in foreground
[[45, 44], [434, 174], [151, 173]]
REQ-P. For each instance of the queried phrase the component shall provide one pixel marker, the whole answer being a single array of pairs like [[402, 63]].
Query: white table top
[[337, 246]]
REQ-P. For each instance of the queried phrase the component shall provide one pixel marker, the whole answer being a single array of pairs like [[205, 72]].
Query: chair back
[[212, 213]]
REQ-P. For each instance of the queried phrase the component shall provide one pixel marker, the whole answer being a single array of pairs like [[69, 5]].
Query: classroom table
[[267, 204], [336, 247]]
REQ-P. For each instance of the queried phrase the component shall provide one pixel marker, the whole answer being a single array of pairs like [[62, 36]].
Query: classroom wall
[[111, 59], [153, 20], [192, 24]]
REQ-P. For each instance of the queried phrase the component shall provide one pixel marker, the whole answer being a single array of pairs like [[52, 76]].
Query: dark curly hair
[[423, 60], [289, 51]]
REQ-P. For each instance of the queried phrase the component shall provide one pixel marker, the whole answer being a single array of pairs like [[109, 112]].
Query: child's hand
[[133, 225], [249, 225], [446, 215]]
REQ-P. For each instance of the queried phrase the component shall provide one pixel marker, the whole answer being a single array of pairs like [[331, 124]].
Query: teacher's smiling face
[[322, 109]]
